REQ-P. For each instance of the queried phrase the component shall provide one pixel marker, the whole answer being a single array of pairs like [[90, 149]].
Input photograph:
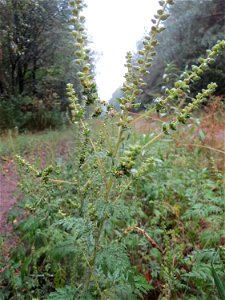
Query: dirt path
[[8, 186], [9, 180]]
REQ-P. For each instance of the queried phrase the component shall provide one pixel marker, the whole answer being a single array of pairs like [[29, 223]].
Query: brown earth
[[8, 187]]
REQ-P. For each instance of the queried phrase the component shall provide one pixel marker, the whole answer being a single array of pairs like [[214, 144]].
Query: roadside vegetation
[[123, 206]]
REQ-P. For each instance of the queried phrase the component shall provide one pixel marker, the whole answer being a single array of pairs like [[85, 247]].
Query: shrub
[[24, 112]]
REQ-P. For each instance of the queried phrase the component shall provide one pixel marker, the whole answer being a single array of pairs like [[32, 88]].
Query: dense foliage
[[193, 28], [37, 59], [179, 204], [125, 217]]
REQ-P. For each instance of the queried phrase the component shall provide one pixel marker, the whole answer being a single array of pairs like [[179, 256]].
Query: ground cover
[[176, 223]]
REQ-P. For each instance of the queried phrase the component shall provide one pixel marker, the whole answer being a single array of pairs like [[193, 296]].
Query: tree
[[37, 55], [33, 34], [194, 26]]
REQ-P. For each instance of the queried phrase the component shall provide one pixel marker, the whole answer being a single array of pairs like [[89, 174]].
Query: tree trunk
[[1, 69], [20, 78], [34, 75]]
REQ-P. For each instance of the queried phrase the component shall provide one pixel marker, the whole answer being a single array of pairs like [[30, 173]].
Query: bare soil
[[9, 180], [8, 187]]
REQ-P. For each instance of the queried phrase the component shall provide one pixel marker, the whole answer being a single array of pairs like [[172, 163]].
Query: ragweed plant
[[84, 221]]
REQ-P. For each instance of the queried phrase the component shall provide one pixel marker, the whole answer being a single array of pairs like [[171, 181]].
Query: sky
[[114, 27]]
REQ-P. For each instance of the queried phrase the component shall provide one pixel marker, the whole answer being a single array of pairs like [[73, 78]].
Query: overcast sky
[[115, 26]]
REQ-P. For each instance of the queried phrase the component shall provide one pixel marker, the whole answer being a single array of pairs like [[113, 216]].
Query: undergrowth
[[31, 144], [128, 216]]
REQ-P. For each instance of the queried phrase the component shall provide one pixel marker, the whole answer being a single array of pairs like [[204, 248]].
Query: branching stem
[[146, 235]]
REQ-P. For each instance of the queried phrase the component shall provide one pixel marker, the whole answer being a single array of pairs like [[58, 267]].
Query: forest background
[[38, 57]]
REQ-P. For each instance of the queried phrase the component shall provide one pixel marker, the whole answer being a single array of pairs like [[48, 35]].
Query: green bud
[[82, 18], [165, 129], [75, 12], [181, 119], [172, 126], [78, 53], [141, 52], [80, 74], [140, 61], [155, 43], [160, 29], [160, 12], [86, 68], [164, 17]]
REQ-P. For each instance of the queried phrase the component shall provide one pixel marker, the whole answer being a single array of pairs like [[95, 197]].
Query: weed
[[127, 216]]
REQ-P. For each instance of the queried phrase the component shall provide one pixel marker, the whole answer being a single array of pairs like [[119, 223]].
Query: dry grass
[[206, 136]]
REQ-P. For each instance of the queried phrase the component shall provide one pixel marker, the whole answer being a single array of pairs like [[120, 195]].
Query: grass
[[32, 144], [178, 205]]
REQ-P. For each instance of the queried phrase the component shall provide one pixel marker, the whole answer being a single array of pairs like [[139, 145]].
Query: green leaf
[[219, 285], [62, 294], [202, 135]]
